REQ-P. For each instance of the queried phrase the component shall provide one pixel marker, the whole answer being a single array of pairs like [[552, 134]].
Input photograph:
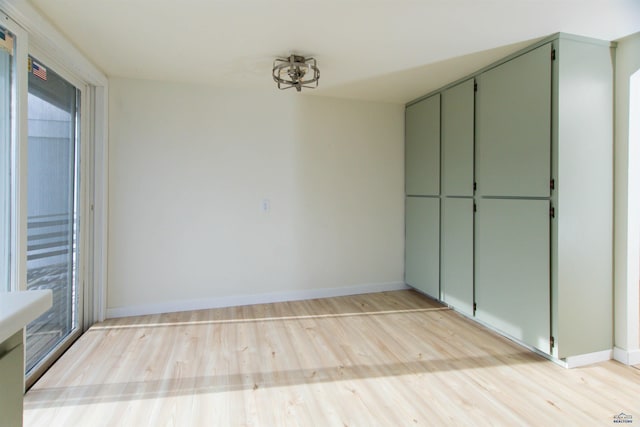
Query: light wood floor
[[389, 359]]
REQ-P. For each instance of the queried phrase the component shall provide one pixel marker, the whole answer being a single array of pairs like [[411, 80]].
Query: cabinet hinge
[[552, 212], [553, 54], [475, 307], [475, 186], [552, 342], [552, 184], [475, 86], [475, 207]]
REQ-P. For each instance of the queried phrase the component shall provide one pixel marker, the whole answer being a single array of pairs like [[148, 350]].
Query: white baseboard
[[588, 359], [237, 300], [628, 357]]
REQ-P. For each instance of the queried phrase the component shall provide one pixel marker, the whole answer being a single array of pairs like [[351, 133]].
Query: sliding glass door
[[53, 220], [48, 129]]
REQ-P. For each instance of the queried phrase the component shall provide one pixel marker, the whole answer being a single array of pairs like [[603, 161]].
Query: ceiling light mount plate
[[296, 71]]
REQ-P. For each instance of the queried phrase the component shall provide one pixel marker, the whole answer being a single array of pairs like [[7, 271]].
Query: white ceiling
[[382, 50]]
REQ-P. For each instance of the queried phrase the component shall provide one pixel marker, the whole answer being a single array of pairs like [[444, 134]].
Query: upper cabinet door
[[457, 140], [422, 147], [513, 127]]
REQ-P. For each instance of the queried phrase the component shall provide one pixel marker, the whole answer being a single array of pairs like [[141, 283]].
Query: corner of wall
[[627, 198]]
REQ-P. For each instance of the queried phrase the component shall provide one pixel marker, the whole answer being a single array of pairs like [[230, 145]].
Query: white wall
[[627, 201], [189, 167]]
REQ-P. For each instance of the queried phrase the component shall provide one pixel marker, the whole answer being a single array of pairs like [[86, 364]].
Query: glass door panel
[[6, 67], [52, 208]]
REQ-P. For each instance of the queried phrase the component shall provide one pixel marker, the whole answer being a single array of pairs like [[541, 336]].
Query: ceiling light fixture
[[296, 71]]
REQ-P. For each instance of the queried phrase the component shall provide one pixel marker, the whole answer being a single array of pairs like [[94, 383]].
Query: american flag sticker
[[38, 70]]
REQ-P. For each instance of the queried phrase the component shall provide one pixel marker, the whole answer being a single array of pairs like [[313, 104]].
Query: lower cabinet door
[[12, 385], [456, 252], [422, 244], [512, 285]]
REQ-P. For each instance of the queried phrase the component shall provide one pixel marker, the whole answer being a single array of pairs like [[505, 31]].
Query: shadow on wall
[[348, 216], [406, 85]]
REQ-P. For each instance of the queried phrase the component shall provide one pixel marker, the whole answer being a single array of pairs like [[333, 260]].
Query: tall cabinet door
[[456, 251], [422, 244], [457, 139], [512, 268], [422, 148], [513, 127]]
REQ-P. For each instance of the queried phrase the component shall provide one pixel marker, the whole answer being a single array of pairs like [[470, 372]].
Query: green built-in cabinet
[[519, 206]]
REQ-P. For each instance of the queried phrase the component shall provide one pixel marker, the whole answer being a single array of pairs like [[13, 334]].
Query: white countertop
[[19, 308]]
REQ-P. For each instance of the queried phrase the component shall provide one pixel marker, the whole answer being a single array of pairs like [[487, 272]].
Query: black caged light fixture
[[296, 71]]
